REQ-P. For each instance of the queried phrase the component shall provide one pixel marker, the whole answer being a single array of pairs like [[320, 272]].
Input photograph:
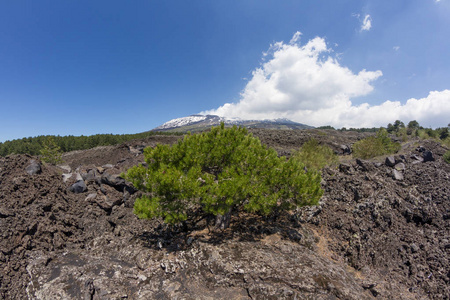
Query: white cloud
[[366, 23], [396, 48], [305, 84]]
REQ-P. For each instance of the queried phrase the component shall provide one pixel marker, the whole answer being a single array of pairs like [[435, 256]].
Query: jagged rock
[[397, 175], [90, 175], [113, 180], [400, 158], [118, 183], [78, 187], [416, 158], [414, 248], [400, 167], [33, 168], [346, 150], [390, 161], [78, 176], [66, 168], [136, 150], [90, 197], [107, 203], [427, 156], [5, 212], [420, 149], [365, 166], [66, 176], [345, 168]]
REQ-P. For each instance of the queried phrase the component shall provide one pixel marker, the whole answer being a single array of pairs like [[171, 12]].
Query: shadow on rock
[[244, 227]]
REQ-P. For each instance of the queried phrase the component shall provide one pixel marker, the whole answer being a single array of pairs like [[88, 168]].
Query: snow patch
[[182, 121]]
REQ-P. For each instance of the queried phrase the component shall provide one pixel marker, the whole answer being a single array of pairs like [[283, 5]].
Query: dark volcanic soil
[[69, 232]]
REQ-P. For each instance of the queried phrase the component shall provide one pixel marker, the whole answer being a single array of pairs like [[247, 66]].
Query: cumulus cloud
[[306, 84], [366, 23]]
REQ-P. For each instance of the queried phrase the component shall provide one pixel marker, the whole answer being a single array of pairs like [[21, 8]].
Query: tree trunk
[[223, 221]]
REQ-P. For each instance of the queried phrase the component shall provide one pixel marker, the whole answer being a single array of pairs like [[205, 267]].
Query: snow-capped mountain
[[202, 122]]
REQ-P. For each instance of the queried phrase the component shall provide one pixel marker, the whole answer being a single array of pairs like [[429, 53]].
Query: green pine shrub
[[315, 156], [51, 153], [216, 172], [447, 156], [374, 146]]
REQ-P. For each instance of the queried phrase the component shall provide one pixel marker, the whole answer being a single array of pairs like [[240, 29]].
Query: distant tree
[[33, 145], [51, 153], [390, 128], [399, 124], [443, 133], [413, 124], [326, 127], [216, 173]]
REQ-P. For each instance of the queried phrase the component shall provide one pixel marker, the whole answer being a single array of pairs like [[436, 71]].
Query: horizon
[[102, 67]]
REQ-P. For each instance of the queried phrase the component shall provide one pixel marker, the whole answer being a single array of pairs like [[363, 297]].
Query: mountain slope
[[202, 122]]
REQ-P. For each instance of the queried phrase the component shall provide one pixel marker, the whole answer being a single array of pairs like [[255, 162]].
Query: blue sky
[[86, 67]]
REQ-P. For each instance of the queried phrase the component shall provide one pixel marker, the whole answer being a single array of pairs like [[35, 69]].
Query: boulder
[[113, 180], [390, 161], [89, 176], [346, 150], [427, 156], [33, 168], [66, 176], [420, 149], [416, 158], [66, 168], [90, 197], [78, 187], [400, 166], [397, 175], [365, 166]]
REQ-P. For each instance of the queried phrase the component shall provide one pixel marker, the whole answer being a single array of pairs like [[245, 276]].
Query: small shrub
[[375, 146], [447, 157], [446, 142], [51, 153], [403, 134], [315, 156], [422, 134]]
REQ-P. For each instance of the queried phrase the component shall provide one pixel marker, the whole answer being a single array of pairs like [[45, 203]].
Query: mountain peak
[[202, 122]]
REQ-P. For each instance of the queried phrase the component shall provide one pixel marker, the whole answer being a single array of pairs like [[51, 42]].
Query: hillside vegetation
[[34, 145]]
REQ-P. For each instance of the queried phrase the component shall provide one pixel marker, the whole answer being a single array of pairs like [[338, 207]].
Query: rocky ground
[[381, 231]]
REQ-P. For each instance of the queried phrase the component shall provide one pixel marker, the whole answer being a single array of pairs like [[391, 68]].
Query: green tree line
[[34, 145]]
